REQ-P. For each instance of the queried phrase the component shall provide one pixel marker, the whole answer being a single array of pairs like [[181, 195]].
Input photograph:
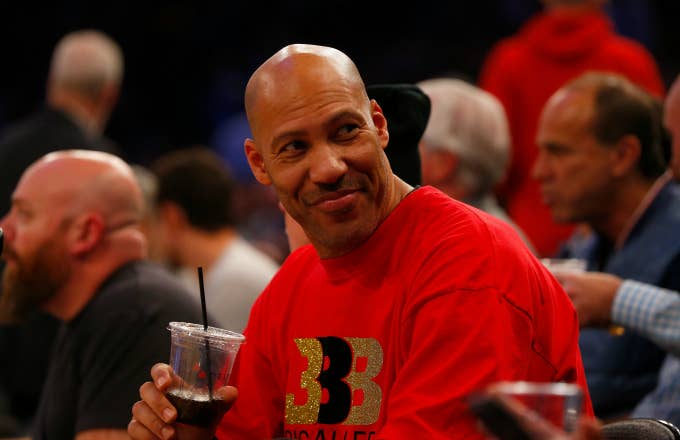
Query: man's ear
[[380, 123], [442, 165], [85, 233], [256, 162], [626, 155], [172, 215]]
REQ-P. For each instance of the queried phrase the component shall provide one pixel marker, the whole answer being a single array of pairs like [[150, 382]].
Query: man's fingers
[[138, 431], [162, 376], [158, 403], [228, 394], [145, 424]]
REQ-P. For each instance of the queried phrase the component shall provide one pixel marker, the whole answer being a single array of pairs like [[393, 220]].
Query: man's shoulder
[[435, 213], [146, 286], [242, 256], [42, 125]]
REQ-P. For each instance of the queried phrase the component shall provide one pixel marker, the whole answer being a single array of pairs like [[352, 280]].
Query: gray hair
[[470, 123], [85, 61]]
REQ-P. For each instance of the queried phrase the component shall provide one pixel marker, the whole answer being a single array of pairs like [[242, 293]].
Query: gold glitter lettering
[[307, 414], [368, 412]]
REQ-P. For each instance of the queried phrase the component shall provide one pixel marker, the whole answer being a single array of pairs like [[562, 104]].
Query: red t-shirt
[[389, 340], [523, 71]]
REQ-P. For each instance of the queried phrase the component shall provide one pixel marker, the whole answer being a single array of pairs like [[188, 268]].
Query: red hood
[[566, 35]]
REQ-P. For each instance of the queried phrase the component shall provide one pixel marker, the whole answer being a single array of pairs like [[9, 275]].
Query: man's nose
[[540, 169], [327, 164], [6, 229]]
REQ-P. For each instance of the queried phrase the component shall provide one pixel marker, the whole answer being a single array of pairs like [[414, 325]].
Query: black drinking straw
[[205, 328]]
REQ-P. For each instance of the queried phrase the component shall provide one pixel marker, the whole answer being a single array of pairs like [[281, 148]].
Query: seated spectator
[[566, 39], [73, 248], [406, 301], [82, 89], [600, 161], [643, 308], [466, 146], [196, 228]]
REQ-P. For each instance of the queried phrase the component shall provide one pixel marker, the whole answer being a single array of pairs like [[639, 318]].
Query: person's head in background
[[600, 151], [671, 119], [573, 4], [407, 110], [74, 220], [193, 206], [466, 146], [148, 183], [85, 77]]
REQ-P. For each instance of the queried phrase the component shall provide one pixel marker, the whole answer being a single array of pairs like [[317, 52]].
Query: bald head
[[298, 71], [88, 181], [85, 62]]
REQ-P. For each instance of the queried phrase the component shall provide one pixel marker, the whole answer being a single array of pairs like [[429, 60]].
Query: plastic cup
[[555, 265], [557, 402], [575, 265], [202, 359]]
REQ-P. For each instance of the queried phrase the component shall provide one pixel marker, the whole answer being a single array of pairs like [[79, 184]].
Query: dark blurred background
[[187, 61]]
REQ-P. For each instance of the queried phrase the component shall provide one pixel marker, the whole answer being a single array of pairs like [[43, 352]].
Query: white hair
[[470, 123], [85, 61]]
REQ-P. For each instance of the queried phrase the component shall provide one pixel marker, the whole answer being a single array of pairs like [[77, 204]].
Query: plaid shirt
[[651, 311], [654, 313]]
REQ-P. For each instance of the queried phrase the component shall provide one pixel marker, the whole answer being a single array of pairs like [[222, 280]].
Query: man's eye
[[347, 130], [293, 147], [23, 214]]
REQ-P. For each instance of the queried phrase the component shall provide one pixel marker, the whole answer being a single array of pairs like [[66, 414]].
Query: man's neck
[[626, 202], [73, 296], [89, 272], [202, 248], [83, 113]]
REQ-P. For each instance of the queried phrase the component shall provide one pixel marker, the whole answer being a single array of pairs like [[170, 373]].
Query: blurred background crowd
[[177, 114], [186, 63]]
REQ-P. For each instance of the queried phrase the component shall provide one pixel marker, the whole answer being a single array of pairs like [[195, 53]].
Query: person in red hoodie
[[568, 38]]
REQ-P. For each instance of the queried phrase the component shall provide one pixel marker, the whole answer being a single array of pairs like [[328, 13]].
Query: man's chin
[[16, 304]]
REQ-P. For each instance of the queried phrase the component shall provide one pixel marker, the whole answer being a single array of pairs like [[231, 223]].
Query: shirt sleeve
[[651, 311]]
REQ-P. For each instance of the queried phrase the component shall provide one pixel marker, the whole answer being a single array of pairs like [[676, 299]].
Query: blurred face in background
[[169, 221], [672, 123], [572, 168], [34, 250]]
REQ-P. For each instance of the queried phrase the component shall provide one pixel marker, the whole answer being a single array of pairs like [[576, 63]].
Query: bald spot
[[571, 106], [295, 72], [88, 181]]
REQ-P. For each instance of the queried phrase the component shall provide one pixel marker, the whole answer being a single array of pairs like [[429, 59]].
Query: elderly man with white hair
[[466, 146]]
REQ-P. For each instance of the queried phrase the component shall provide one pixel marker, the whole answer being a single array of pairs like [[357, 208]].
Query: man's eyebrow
[[554, 146], [16, 201], [343, 115], [293, 134]]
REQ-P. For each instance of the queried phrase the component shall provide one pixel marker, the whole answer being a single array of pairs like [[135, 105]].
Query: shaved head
[[83, 180], [73, 220], [293, 72], [319, 141]]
